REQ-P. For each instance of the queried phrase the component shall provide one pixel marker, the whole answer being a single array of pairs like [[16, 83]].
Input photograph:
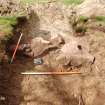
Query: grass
[[29, 2], [6, 27], [6, 24], [83, 18], [100, 18], [75, 2], [68, 2], [80, 29], [8, 20]]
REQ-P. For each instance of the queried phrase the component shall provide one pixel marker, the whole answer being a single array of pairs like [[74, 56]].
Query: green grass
[[6, 28], [100, 18], [8, 20], [75, 2], [6, 24], [81, 29], [32, 1], [27, 1], [83, 18]]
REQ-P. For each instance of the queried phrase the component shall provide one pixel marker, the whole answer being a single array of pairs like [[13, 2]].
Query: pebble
[[38, 61]]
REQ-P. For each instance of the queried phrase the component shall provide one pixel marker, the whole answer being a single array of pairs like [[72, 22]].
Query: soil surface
[[87, 88]]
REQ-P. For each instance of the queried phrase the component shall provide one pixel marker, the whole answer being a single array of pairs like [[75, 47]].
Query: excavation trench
[[17, 89], [87, 88]]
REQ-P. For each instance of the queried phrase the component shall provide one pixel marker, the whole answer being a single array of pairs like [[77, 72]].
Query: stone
[[75, 53], [38, 61], [39, 45]]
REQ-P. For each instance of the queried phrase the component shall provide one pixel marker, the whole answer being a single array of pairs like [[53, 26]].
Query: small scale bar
[[50, 73]]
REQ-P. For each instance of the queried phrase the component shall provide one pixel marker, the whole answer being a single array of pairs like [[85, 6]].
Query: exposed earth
[[52, 31]]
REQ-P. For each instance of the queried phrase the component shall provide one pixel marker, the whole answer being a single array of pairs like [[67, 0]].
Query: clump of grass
[[7, 23], [100, 18], [80, 29], [29, 2], [78, 24], [83, 19], [75, 2], [6, 27], [8, 19]]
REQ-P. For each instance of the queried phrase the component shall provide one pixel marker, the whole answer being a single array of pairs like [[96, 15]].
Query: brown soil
[[87, 88]]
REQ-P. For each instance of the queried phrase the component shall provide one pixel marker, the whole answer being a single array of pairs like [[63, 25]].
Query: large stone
[[75, 53], [39, 45]]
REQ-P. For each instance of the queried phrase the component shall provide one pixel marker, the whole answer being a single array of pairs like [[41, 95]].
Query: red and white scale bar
[[50, 73]]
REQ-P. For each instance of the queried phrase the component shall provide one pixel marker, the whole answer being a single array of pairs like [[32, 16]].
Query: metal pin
[[50, 73]]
